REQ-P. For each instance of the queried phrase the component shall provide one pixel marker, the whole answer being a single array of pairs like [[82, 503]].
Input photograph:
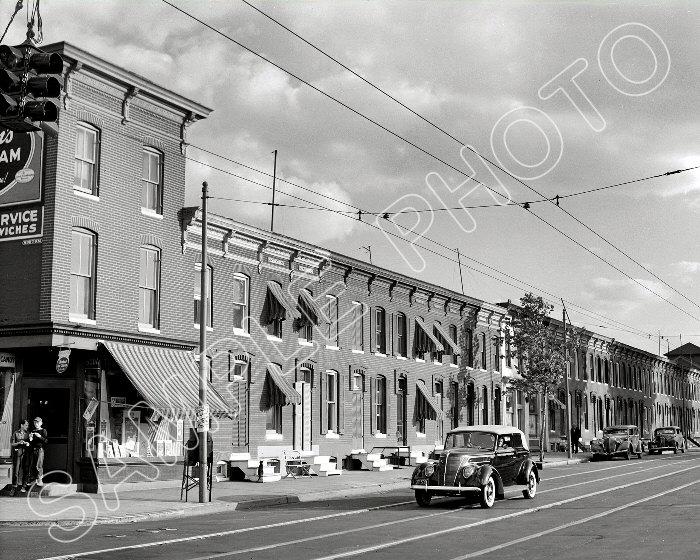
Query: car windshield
[[666, 431], [477, 440], [615, 431]]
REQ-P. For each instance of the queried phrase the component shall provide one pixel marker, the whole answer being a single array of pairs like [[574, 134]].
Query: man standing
[[575, 436], [37, 439], [20, 454]]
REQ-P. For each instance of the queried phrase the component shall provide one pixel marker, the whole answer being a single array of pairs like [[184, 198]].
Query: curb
[[562, 463]]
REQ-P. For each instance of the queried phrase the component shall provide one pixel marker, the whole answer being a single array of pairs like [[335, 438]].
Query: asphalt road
[[647, 508]]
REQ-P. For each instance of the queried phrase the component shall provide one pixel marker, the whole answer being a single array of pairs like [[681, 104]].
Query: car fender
[[485, 472], [525, 469]]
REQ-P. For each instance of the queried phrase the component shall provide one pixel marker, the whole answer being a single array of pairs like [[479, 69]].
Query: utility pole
[[369, 250], [274, 180], [566, 386], [203, 412], [459, 265]]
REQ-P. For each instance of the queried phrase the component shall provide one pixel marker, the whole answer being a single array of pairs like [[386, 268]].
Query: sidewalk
[[141, 501]]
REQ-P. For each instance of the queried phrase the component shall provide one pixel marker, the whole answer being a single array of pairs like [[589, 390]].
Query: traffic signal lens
[[41, 111]]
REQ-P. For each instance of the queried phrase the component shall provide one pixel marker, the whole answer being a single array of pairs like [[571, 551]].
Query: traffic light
[[30, 86]]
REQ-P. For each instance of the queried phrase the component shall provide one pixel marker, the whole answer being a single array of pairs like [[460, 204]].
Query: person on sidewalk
[[37, 439], [575, 436], [20, 453]]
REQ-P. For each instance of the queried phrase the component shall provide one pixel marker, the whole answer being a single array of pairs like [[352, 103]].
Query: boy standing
[[20, 454], [37, 439]]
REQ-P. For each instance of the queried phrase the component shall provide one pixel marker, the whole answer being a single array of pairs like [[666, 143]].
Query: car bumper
[[450, 489]]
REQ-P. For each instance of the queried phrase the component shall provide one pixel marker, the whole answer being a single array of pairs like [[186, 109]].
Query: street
[[626, 509]]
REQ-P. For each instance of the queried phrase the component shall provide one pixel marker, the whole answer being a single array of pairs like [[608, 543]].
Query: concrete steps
[[373, 462], [322, 465]]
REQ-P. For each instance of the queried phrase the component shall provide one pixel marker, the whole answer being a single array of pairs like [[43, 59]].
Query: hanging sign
[[7, 360], [90, 410], [62, 362]]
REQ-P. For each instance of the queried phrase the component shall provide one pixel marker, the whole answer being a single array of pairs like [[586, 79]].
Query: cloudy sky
[[564, 96]]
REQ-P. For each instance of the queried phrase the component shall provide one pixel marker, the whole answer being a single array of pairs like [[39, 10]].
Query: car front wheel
[[531, 490], [423, 498], [488, 493]]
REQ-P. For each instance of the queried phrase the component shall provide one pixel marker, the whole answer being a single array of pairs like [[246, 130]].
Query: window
[[483, 351], [152, 181], [274, 327], [358, 382], [585, 412], [332, 401], [358, 325], [497, 353], [401, 335], [453, 336], [240, 303], [198, 295], [485, 404], [238, 370], [87, 143], [306, 375], [469, 341], [332, 314], [82, 274], [380, 330], [380, 405], [273, 420], [454, 403], [149, 287], [509, 357], [439, 397]]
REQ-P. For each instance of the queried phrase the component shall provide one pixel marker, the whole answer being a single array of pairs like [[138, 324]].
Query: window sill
[[329, 347], [332, 435], [454, 365], [273, 436], [85, 195], [401, 358], [420, 435], [380, 354], [380, 435], [241, 332], [151, 213], [273, 338], [303, 342], [438, 363], [420, 361], [209, 329], [148, 329], [81, 319], [358, 351]]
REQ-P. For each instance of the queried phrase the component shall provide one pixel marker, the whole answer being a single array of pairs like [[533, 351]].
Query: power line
[[523, 283], [431, 123]]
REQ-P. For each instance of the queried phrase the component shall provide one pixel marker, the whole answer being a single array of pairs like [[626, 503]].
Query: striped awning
[[168, 380], [424, 333], [278, 305], [426, 406], [277, 391], [310, 308], [556, 402], [446, 337]]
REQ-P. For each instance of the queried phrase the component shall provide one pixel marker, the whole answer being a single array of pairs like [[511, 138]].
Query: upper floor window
[[380, 330], [358, 320], [306, 326], [483, 351], [509, 353], [274, 325], [152, 181], [198, 295], [401, 335], [497, 353], [149, 287], [87, 143], [82, 273], [453, 336], [332, 314], [469, 341], [240, 302]]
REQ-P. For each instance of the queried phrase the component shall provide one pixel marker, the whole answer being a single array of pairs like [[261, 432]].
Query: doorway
[[53, 401], [358, 420], [401, 416]]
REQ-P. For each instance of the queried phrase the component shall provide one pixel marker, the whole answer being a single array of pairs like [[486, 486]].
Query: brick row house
[[309, 350]]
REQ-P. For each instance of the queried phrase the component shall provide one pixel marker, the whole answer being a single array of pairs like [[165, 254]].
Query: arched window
[[401, 335]]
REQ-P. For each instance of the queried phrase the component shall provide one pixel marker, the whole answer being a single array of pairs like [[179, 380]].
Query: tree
[[539, 352]]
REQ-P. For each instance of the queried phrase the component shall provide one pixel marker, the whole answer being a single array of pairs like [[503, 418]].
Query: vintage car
[[477, 459], [620, 441], [667, 438]]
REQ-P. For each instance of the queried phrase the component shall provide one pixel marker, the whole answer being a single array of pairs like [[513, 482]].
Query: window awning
[[277, 391], [426, 341], [426, 406], [310, 308], [278, 305], [556, 402], [446, 337], [167, 379]]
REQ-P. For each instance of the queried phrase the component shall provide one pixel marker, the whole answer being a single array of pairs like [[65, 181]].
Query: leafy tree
[[539, 352]]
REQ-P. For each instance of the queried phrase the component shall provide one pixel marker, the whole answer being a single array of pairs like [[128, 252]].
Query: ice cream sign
[[20, 167]]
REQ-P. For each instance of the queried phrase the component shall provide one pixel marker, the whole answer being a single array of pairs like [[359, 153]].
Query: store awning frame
[[446, 337], [437, 344], [556, 402], [277, 391], [167, 379], [312, 308], [278, 304], [426, 406]]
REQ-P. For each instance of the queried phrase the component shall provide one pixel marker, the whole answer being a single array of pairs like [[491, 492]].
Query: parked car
[[667, 437], [481, 459], [620, 441]]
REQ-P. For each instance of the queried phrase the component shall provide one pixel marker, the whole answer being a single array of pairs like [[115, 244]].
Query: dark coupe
[[477, 459], [667, 438], [617, 441]]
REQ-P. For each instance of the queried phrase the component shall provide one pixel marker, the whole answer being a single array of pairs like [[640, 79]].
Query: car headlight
[[467, 471], [429, 469]]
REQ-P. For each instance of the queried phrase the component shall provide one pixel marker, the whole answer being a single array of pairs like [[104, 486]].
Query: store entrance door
[[53, 401]]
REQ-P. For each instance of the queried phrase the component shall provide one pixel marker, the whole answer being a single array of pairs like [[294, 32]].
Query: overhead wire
[[499, 167]]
